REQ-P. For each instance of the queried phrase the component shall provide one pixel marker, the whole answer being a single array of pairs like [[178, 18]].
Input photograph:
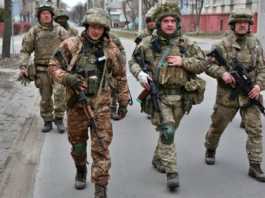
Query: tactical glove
[[72, 81]]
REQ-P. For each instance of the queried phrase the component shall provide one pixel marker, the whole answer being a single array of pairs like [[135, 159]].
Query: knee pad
[[79, 149], [167, 133]]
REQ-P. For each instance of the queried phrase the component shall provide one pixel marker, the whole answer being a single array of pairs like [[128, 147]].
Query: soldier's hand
[[73, 81], [174, 61], [255, 92], [228, 78], [122, 111], [143, 79], [23, 71]]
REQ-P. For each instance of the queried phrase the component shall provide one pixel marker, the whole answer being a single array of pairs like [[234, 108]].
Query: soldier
[[62, 18], [245, 47], [43, 39], [85, 65], [150, 26], [172, 64], [113, 83]]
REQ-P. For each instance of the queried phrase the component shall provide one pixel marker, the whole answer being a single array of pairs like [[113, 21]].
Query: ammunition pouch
[[147, 106], [195, 89]]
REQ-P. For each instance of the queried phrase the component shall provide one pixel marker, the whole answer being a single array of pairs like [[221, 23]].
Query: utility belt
[[171, 91]]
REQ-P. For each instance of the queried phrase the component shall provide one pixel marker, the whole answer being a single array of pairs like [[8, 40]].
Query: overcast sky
[[72, 3]]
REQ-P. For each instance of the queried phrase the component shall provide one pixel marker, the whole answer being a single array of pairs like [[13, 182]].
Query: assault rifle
[[153, 90], [82, 98], [243, 84]]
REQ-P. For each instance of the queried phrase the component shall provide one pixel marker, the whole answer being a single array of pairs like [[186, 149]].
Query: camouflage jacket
[[81, 56], [249, 52], [72, 31], [116, 40], [142, 35], [42, 41], [165, 76]]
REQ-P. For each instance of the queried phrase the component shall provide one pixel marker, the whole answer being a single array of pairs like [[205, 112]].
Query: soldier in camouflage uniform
[[244, 46], [85, 65], [113, 83], [62, 18], [43, 39], [181, 61], [150, 26]]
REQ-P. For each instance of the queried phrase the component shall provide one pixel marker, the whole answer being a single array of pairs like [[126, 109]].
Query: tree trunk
[[7, 29], [58, 3]]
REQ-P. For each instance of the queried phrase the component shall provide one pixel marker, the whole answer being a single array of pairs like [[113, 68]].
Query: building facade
[[215, 14]]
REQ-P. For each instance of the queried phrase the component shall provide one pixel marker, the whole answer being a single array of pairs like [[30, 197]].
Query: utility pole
[[261, 22], [140, 17]]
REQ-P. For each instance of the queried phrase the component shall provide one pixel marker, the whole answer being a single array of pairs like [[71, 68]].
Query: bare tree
[[198, 5], [124, 6], [78, 12], [147, 4], [7, 29]]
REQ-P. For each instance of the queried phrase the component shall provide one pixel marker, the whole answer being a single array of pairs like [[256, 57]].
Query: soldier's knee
[[79, 149], [167, 133]]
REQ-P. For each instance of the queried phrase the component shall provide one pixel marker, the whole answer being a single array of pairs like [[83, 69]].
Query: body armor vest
[[46, 41]]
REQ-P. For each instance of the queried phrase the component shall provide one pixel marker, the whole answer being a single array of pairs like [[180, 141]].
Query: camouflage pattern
[[99, 101], [241, 15], [249, 52], [147, 31], [96, 18], [43, 40], [60, 13], [142, 35], [170, 81], [166, 9], [113, 82], [44, 6]]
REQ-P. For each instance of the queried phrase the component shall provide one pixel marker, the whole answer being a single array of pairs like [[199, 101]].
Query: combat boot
[[172, 181], [47, 127], [59, 124], [80, 178], [100, 191], [158, 165], [256, 172], [210, 157]]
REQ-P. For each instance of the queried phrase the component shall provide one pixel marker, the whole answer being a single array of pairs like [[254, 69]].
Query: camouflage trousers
[[101, 138], [52, 103], [250, 116], [172, 113], [114, 100]]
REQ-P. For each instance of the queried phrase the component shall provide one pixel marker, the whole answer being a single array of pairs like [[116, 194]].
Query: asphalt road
[[132, 149]]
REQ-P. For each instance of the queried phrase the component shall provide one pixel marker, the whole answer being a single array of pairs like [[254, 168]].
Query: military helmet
[[241, 15], [166, 9], [61, 13], [45, 6], [149, 14], [100, 18]]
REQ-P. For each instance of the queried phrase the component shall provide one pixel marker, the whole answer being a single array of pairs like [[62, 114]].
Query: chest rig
[[90, 65], [245, 51], [45, 41], [166, 76]]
